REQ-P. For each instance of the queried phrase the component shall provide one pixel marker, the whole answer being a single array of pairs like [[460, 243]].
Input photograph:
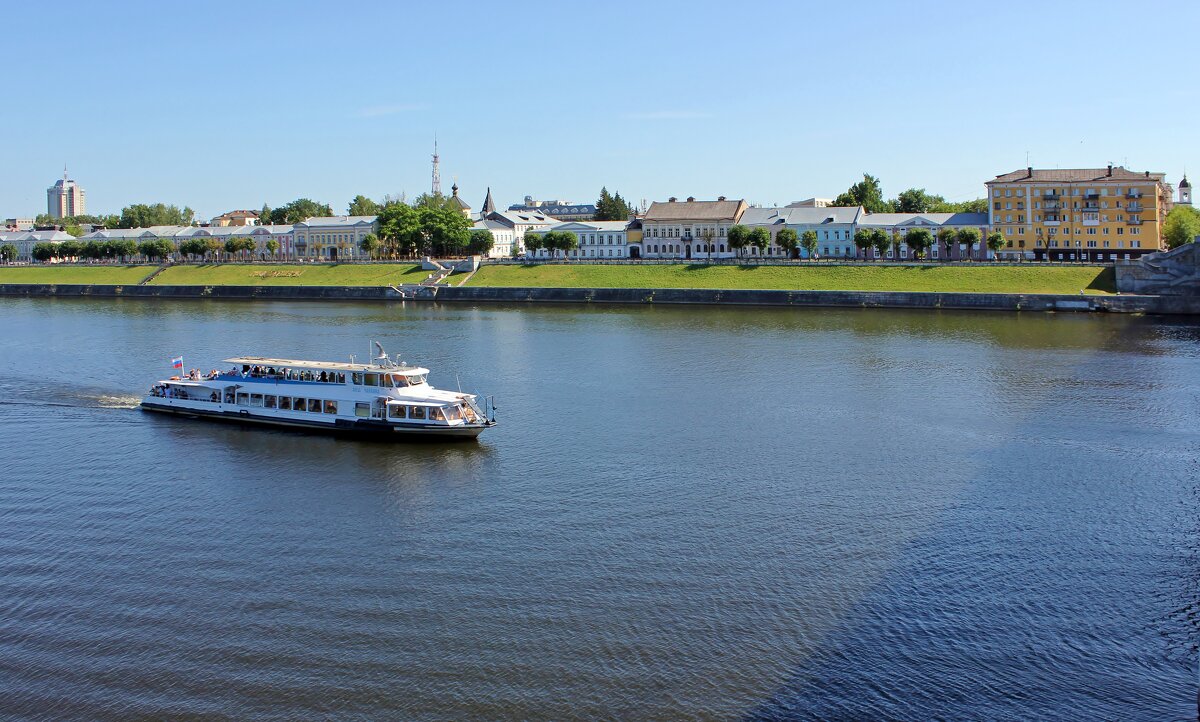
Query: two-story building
[[508, 228], [597, 239], [332, 238], [897, 225], [1081, 214], [688, 229], [834, 227]]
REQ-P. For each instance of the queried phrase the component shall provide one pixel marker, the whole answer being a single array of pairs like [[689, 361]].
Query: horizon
[[631, 98]]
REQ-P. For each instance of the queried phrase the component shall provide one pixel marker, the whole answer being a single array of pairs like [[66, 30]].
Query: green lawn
[[76, 275], [867, 277], [374, 274]]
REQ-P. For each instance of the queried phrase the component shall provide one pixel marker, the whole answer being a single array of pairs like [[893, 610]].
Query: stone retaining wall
[[482, 294]]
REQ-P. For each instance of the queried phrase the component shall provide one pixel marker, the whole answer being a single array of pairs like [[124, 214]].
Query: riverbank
[[1170, 305]]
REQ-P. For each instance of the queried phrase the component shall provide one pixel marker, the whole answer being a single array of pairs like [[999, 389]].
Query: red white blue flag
[[177, 362]]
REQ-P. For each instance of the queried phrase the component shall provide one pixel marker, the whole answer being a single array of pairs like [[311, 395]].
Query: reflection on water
[[684, 512]]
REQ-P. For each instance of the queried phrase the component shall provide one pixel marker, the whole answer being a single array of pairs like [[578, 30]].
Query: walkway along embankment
[[1173, 305]]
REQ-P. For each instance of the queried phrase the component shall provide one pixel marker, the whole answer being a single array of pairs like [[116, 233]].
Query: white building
[[504, 238], [26, 224], [898, 224], [834, 227], [26, 240], [508, 229], [333, 237], [597, 239], [65, 198], [688, 229]]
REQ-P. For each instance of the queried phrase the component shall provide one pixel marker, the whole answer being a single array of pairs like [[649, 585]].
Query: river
[[689, 512]]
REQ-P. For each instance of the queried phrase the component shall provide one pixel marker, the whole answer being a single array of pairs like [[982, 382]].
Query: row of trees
[[612, 207], [920, 240], [152, 250], [868, 193], [1181, 226], [553, 242]]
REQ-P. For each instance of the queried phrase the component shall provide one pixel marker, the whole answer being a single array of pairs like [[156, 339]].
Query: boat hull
[[362, 428]]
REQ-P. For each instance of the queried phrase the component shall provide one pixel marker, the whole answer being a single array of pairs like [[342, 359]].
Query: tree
[[363, 206], [760, 238], [140, 215], [738, 237], [213, 247], [996, 241], [867, 193], [1182, 226], [299, 210], [149, 249], [611, 207], [8, 253], [444, 228], [918, 241], [881, 241], [69, 249], [264, 216], [863, 241], [273, 244], [400, 229], [808, 241], [968, 237], [787, 239], [480, 242], [977, 205], [946, 236], [916, 200], [369, 244], [533, 242], [124, 249], [42, 252]]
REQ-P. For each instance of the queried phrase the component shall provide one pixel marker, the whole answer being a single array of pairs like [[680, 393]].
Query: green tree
[[788, 240], [435, 200], [808, 241], [534, 242], [868, 193], [43, 252], [264, 216], [862, 241], [8, 253], [124, 249], [369, 244], [400, 229], [480, 242], [70, 249], [564, 241], [916, 200], [299, 210], [738, 237], [149, 249], [611, 207], [968, 237], [363, 206], [445, 230], [141, 215], [996, 241], [760, 238], [213, 247], [881, 241], [946, 237], [273, 245], [918, 241], [1182, 226], [977, 205]]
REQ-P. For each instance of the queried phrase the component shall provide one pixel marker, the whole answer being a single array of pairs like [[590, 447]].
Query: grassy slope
[[70, 275], [375, 274], [980, 279]]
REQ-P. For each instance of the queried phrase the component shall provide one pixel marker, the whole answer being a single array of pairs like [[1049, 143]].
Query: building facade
[[596, 239], [897, 225], [834, 227], [333, 238], [237, 218], [65, 198], [1088, 214], [688, 230], [18, 224], [559, 210], [508, 229]]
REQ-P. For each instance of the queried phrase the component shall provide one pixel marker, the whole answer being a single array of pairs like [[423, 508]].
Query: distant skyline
[[221, 105]]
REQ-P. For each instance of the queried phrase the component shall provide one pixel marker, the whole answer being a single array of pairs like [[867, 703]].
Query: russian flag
[[177, 363]]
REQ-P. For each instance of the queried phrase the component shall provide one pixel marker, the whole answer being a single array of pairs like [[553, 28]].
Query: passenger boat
[[383, 398]]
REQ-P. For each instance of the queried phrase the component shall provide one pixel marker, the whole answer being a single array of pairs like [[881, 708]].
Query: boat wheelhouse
[[384, 397]]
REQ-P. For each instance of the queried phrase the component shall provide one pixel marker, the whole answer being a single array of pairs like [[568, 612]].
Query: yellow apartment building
[[1082, 214]]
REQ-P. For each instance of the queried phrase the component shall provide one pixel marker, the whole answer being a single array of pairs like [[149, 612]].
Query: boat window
[[331, 407], [269, 401], [385, 380], [372, 379], [243, 399], [396, 411], [452, 413], [436, 414], [256, 399], [341, 378], [298, 404], [314, 406], [416, 379], [416, 412], [358, 377], [362, 410], [400, 380], [285, 403]]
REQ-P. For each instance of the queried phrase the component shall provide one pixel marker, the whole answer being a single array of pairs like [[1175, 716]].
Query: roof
[[522, 217], [489, 206], [1075, 175], [602, 226], [1184, 183], [571, 209], [335, 221], [335, 365], [800, 216], [923, 219], [695, 210], [239, 213]]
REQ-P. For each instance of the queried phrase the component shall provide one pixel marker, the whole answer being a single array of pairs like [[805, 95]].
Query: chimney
[[1029, 172], [720, 198], [1147, 174], [671, 199], [691, 199]]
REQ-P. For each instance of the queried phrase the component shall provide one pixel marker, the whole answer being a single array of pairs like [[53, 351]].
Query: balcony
[[1133, 221], [1134, 194], [1051, 206], [1090, 206], [1051, 196], [1091, 195], [1135, 208]]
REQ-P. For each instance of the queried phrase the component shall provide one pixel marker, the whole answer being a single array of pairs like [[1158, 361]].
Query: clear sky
[[230, 105]]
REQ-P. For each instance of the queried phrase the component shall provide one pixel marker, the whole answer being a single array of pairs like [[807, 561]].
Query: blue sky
[[230, 105]]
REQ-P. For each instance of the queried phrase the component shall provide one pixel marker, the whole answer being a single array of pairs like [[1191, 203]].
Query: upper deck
[[280, 363]]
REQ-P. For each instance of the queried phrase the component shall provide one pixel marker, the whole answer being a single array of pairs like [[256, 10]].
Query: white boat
[[382, 398]]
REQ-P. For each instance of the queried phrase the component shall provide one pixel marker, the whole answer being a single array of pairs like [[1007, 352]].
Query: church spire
[[489, 206]]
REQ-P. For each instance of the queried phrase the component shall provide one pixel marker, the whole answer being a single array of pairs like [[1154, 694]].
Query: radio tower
[[437, 174]]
